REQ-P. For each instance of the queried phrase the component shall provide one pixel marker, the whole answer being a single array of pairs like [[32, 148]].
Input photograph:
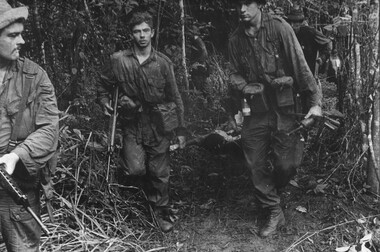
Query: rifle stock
[[11, 187], [111, 140]]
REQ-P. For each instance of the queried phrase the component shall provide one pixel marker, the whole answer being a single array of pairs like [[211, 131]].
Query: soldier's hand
[[231, 125], [10, 160], [315, 111], [127, 103], [107, 109], [181, 141]]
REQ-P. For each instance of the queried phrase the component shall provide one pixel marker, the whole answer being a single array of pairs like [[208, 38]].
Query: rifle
[[330, 121], [111, 139], [11, 187], [211, 141]]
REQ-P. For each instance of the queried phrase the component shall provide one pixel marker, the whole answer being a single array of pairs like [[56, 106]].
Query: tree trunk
[[373, 122], [37, 31], [158, 23], [181, 5]]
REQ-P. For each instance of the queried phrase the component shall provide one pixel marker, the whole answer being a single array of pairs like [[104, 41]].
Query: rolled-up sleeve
[[175, 96], [106, 81], [237, 80]]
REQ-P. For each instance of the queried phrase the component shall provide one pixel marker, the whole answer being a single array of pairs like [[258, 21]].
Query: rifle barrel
[[43, 227], [18, 196], [111, 141]]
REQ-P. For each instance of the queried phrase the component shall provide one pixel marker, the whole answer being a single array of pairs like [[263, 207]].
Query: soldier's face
[[248, 11], [142, 35], [11, 42]]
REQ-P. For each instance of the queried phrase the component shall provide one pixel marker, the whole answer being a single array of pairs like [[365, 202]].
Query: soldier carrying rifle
[[151, 111], [270, 73], [28, 134]]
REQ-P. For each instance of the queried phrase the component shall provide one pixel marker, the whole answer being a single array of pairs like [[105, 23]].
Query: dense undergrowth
[[93, 215]]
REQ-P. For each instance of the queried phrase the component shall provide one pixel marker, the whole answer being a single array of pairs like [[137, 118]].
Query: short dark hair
[[139, 18], [262, 2]]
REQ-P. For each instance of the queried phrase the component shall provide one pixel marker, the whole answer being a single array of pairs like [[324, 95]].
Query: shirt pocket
[[155, 89], [26, 125]]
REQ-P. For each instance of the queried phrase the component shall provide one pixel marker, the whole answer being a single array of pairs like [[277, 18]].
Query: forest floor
[[327, 205], [217, 211]]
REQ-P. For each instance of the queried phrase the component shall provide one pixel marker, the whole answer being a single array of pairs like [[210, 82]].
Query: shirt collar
[[12, 70], [152, 56]]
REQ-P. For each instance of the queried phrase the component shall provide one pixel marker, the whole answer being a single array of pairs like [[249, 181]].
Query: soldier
[[268, 70], [315, 45], [146, 81], [29, 130]]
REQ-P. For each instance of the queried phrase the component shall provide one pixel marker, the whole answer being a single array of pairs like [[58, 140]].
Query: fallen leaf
[[366, 238], [208, 205], [213, 174], [320, 188], [179, 245], [342, 249], [294, 183], [301, 209], [376, 221]]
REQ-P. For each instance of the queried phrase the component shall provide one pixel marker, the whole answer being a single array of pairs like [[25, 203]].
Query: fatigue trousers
[[151, 161], [271, 155], [21, 233]]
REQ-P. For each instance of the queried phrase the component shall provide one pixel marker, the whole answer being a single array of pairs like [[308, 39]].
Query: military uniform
[[145, 147], [272, 53], [37, 142], [313, 42]]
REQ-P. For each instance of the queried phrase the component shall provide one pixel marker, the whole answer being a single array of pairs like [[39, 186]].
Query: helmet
[[295, 15]]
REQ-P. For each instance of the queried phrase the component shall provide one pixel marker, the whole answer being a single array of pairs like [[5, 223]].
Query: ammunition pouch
[[255, 95], [283, 87], [167, 117]]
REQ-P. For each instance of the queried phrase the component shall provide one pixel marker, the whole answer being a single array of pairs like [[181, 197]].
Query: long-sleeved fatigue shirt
[[313, 41], [273, 52], [150, 83], [39, 124]]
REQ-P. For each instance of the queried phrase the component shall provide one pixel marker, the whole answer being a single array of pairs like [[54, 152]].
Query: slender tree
[[186, 80], [374, 113]]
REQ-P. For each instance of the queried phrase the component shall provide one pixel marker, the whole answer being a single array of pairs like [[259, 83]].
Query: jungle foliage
[[72, 39]]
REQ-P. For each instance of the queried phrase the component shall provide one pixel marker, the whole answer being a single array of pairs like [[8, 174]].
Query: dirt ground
[[217, 210]]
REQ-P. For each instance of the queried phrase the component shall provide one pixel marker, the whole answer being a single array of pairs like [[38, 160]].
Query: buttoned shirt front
[[150, 83], [38, 131], [273, 52]]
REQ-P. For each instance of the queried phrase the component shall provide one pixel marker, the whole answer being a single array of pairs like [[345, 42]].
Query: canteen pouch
[[283, 87], [254, 92]]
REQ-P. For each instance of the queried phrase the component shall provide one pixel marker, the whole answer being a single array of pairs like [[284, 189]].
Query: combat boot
[[165, 225], [276, 220], [163, 219]]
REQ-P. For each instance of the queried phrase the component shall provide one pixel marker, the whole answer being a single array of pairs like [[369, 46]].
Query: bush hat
[[295, 15], [8, 15]]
